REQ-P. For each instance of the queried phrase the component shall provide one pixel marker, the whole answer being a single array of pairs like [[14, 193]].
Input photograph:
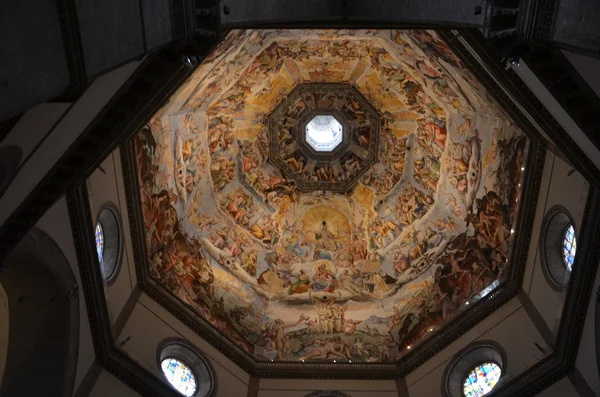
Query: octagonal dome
[[324, 133], [353, 141], [285, 273]]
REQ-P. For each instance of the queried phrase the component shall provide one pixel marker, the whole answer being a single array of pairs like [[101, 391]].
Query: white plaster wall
[[587, 67], [108, 385], [149, 325], [56, 224], [109, 188], [540, 210], [510, 326], [34, 125], [63, 129], [302, 387], [557, 188], [562, 388], [544, 96], [62, 137], [586, 356], [4, 317]]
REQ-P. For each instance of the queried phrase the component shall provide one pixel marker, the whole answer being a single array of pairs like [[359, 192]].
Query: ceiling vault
[[346, 160], [554, 366], [411, 356], [162, 72]]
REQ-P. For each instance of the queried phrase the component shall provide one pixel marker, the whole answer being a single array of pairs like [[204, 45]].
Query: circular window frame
[[110, 220], [195, 360], [554, 226], [466, 360]]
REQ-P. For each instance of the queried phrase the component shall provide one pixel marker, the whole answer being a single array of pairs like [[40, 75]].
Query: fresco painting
[[307, 165], [289, 275]]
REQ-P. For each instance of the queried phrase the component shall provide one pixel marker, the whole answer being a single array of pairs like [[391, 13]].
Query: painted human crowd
[[362, 276]]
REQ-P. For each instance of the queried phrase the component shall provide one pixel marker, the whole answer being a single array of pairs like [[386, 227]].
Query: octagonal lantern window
[[324, 133]]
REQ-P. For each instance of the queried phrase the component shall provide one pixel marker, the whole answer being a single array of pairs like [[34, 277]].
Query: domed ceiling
[[329, 194]]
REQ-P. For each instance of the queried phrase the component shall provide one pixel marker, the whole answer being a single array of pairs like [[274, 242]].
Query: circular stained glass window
[[569, 247], [179, 376], [108, 241], [99, 241], [324, 133], [481, 380]]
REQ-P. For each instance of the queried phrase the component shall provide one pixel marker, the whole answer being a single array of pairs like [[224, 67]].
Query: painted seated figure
[[324, 279], [301, 285]]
